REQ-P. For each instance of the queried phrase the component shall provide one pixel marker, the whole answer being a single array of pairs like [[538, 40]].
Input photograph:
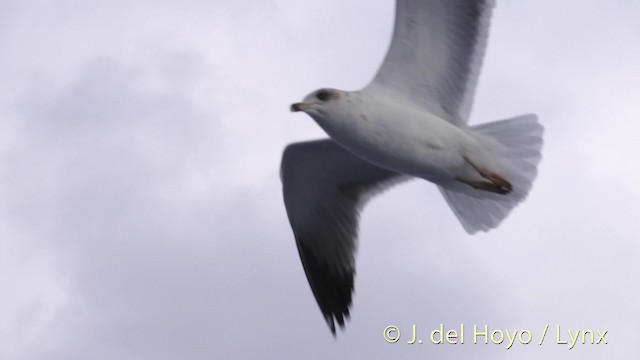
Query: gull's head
[[334, 110], [320, 103]]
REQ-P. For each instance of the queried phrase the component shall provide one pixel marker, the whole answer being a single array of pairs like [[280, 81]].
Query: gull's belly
[[429, 147]]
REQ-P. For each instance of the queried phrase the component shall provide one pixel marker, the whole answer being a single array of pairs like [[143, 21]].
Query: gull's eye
[[324, 95]]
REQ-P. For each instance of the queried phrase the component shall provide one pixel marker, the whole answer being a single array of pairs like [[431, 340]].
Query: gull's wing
[[324, 188], [435, 54]]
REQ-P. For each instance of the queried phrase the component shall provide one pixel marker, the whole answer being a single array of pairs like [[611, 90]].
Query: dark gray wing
[[436, 53], [324, 188]]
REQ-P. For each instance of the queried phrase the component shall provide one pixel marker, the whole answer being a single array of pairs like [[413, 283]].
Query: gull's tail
[[521, 140]]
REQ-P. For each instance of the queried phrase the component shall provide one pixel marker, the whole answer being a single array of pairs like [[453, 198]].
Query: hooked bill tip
[[298, 107]]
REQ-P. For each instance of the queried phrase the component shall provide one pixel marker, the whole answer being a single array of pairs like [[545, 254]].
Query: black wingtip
[[332, 326], [333, 291]]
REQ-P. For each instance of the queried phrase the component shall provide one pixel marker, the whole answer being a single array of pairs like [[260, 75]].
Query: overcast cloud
[[141, 214]]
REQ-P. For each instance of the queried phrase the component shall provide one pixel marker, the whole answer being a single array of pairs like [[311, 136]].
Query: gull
[[409, 122]]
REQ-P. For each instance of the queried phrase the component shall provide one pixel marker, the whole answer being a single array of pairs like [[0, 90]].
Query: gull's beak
[[299, 107]]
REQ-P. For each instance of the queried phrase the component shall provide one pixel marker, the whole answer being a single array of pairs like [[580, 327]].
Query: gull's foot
[[489, 186], [496, 183]]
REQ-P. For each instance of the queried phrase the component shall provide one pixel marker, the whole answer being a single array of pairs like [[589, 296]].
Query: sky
[[141, 212]]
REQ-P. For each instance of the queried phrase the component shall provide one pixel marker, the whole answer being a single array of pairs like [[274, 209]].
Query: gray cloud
[[141, 214]]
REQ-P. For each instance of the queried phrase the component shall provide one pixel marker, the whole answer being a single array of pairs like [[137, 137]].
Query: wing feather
[[435, 54], [324, 188]]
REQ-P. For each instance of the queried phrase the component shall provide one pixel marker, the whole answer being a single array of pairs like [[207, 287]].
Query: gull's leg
[[486, 186], [496, 183]]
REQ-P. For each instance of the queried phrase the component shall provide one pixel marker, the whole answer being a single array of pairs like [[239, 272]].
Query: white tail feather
[[521, 138]]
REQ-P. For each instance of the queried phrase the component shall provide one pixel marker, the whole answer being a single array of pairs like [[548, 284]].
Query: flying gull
[[409, 122]]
